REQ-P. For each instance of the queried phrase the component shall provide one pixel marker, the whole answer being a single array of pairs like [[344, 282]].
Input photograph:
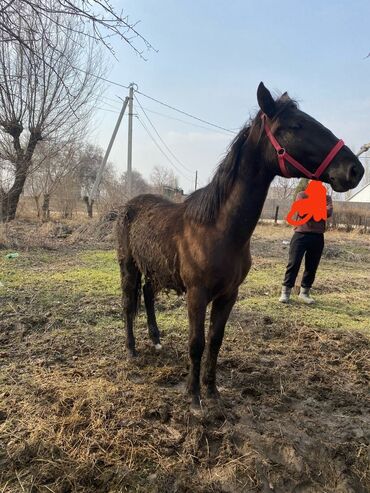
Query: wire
[[161, 150], [114, 107], [112, 99], [101, 78], [178, 119], [160, 138], [107, 109], [154, 99], [184, 112]]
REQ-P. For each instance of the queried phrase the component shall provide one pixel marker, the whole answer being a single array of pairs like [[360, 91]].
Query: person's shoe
[[304, 295], [285, 294]]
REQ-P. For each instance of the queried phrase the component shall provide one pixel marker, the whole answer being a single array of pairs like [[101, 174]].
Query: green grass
[[83, 288], [80, 416]]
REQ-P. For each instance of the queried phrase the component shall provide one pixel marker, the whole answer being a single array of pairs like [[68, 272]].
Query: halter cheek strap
[[283, 156]]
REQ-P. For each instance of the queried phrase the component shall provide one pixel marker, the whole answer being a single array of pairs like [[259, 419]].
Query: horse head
[[292, 137]]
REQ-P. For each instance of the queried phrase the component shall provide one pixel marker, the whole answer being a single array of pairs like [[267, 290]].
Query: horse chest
[[215, 266]]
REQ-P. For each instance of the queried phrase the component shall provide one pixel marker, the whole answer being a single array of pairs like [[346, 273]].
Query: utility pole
[[363, 149], [90, 200], [129, 143], [196, 180]]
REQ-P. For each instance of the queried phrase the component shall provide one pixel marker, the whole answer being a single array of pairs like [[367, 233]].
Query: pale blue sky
[[211, 57]]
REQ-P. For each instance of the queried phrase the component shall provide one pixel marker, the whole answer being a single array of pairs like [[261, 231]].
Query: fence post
[[276, 214]]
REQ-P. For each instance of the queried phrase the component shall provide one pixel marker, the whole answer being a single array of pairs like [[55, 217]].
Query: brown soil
[[76, 416]]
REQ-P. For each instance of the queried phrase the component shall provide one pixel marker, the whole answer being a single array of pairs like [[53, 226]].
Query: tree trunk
[[46, 207], [37, 202], [89, 206], [9, 200]]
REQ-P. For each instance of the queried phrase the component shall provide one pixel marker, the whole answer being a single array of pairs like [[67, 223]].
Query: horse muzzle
[[346, 176]]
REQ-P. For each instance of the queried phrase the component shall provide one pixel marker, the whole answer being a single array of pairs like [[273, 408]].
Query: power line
[[178, 119], [153, 99], [164, 115], [161, 150], [106, 109], [113, 106], [117, 100], [99, 77], [160, 138], [184, 112]]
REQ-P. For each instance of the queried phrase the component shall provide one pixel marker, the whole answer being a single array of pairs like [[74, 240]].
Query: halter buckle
[[281, 152]]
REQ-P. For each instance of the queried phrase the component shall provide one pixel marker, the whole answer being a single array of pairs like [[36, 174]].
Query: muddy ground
[[77, 416]]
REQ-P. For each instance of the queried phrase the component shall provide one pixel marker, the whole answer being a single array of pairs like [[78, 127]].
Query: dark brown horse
[[201, 246]]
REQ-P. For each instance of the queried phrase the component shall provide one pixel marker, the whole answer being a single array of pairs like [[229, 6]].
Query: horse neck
[[241, 211]]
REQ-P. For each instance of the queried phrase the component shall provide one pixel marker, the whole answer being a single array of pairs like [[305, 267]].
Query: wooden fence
[[346, 215]]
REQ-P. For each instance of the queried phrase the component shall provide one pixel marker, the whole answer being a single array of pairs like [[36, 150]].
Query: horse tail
[[129, 271], [125, 217]]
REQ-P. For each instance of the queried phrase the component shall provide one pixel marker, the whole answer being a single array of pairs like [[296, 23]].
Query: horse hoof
[[213, 394], [131, 353], [196, 407], [158, 346]]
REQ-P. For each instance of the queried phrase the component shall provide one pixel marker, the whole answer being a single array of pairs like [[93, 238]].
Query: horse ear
[[266, 101], [285, 96]]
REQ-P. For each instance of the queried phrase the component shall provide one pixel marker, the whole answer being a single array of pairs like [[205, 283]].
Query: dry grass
[[77, 416]]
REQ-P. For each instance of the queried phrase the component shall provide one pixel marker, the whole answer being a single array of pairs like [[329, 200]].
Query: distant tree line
[[60, 181]]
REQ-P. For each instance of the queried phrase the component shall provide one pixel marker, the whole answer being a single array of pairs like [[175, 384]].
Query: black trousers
[[311, 245]]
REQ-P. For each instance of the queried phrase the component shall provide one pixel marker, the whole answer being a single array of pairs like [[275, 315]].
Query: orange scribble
[[313, 206]]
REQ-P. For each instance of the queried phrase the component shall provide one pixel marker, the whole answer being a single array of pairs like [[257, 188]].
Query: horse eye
[[296, 126]]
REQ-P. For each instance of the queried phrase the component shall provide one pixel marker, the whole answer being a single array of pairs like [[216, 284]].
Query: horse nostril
[[352, 172]]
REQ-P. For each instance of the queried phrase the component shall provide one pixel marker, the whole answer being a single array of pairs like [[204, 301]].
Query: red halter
[[283, 156]]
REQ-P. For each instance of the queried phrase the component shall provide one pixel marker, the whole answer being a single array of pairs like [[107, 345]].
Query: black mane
[[204, 204]]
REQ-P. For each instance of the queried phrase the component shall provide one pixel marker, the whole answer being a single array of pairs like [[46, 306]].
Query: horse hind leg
[[154, 333], [131, 287]]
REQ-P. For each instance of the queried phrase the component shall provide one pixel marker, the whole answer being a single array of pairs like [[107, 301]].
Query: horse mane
[[203, 205]]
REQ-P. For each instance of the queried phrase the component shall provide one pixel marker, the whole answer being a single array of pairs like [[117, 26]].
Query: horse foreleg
[[197, 306], [220, 312], [154, 333]]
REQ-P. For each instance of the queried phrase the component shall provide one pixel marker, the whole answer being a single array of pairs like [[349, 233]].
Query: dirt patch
[[75, 415]]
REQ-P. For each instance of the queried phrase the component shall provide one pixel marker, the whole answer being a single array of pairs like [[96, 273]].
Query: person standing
[[308, 242]]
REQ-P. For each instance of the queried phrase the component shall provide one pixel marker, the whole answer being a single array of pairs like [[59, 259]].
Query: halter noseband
[[283, 156]]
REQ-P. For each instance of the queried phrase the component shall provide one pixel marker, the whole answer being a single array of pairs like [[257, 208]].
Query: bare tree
[[282, 188], [42, 96], [162, 177], [138, 184], [301, 187], [67, 195], [90, 161], [96, 19], [51, 164]]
